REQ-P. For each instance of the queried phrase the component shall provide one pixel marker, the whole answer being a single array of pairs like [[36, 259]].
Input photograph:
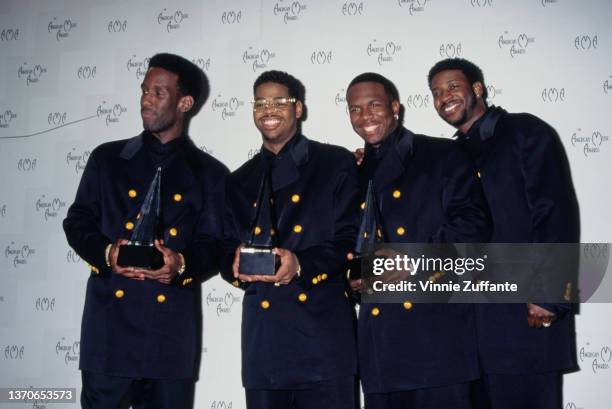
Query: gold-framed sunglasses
[[276, 104]]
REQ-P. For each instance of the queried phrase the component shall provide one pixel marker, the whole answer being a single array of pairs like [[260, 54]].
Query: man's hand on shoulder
[[359, 155]]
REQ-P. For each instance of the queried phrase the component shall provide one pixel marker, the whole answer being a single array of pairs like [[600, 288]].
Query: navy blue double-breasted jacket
[[527, 183], [427, 192], [145, 329], [303, 332]]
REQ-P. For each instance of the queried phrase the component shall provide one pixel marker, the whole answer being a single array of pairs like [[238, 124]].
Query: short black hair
[[191, 79], [295, 86], [472, 72], [390, 88]]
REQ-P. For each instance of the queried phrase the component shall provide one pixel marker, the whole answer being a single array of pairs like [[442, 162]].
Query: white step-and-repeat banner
[[70, 73]]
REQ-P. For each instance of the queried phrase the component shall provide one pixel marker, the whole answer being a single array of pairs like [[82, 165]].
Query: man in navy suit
[[415, 355], [521, 163], [298, 346], [140, 329]]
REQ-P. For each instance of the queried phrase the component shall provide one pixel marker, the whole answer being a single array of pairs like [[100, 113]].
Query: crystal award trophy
[[256, 257], [140, 250], [370, 233]]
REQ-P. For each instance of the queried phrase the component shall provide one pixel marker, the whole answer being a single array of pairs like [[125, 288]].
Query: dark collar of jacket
[[284, 165], [399, 150], [183, 170], [484, 127], [146, 138]]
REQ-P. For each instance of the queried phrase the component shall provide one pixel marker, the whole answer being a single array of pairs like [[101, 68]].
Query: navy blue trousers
[[455, 396], [112, 392], [333, 394], [532, 391]]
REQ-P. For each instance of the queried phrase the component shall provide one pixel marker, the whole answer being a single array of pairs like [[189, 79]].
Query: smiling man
[[298, 347], [523, 348], [140, 326], [415, 356]]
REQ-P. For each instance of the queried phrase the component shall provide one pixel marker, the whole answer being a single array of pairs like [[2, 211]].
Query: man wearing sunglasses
[[298, 347]]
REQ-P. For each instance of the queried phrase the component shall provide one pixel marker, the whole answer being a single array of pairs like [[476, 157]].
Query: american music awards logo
[[548, 2], [110, 112], [27, 164], [414, 6], [2, 209], [14, 352], [289, 10], [221, 404], [599, 358], [69, 351], [9, 34], [252, 152], [515, 44], [340, 98], [138, 66], [6, 118], [57, 118], [352, 8], [607, 86], [231, 17], [450, 50], [18, 254], [49, 207], [481, 3], [586, 42], [117, 26], [222, 303], [553, 95], [86, 72], [258, 59], [493, 92], [321, 57], [417, 101], [590, 144], [45, 304], [72, 257], [31, 73], [202, 63], [60, 28], [171, 20], [77, 160], [596, 250], [227, 107], [383, 52], [206, 149]]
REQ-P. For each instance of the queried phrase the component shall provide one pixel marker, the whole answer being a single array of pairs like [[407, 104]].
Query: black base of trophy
[[257, 260], [132, 255]]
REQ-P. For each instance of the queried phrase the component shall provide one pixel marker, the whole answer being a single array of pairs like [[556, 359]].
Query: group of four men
[[506, 179]]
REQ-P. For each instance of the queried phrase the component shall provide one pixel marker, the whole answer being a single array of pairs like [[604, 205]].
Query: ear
[[185, 103], [298, 109], [478, 89], [395, 107]]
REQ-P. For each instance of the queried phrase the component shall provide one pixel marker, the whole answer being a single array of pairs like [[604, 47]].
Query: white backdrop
[[69, 80]]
